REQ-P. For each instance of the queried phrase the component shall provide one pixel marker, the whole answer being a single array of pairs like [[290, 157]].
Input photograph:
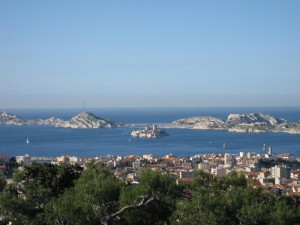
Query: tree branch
[[145, 200]]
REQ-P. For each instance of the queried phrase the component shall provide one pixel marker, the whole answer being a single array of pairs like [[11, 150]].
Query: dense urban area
[[244, 188]]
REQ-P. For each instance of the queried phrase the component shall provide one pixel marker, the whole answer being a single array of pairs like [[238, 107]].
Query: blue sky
[[149, 53]]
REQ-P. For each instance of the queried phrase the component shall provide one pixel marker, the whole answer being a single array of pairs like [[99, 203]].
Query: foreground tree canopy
[[67, 195]]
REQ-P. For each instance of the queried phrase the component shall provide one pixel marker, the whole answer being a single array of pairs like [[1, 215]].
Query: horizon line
[[150, 107]]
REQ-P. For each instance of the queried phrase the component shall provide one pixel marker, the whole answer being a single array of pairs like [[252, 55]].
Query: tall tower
[[154, 127], [270, 150]]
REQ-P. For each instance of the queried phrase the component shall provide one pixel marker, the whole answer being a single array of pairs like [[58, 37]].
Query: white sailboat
[[27, 141]]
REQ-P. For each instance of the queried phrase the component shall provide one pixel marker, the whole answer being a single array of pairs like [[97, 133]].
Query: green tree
[[2, 183], [33, 188], [162, 188], [93, 199], [98, 197], [231, 201]]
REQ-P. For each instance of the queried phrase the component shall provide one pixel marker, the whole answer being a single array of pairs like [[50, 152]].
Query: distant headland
[[241, 123], [82, 120]]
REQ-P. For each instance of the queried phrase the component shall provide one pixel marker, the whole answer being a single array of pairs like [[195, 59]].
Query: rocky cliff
[[291, 128], [82, 120], [52, 121], [201, 122], [88, 120], [254, 118], [247, 122], [254, 123], [241, 123], [9, 119]]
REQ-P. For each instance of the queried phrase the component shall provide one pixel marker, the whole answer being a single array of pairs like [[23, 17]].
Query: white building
[[136, 164], [229, 159], [24, 160], [148, 157], [218, 171], [63, 159], [281, 174], [75, 160]]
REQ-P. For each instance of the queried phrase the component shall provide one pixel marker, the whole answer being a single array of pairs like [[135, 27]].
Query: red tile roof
[[186, 180], [293, 193]]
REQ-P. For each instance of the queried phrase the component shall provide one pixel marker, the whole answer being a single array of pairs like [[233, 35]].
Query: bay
[[51, 141]]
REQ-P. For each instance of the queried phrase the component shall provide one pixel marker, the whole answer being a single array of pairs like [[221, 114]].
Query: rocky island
[[9, 119], [149, 132], [52, 121], [88, 120], [82, 120], [241, 123], [201, 122], [254, 123]]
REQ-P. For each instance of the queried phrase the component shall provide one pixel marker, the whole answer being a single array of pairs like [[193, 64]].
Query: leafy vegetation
[[25, 201], [231, 201], [67, 195]]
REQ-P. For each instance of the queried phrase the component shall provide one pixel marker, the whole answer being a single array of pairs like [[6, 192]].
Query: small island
[[149, 132]]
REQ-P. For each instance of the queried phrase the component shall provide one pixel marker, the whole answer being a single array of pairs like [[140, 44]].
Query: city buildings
[[278, 177]]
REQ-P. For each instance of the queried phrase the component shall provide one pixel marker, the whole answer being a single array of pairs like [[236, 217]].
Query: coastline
[[47, 140]]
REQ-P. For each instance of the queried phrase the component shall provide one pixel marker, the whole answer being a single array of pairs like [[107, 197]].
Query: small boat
[[27, 141], [129, 139]]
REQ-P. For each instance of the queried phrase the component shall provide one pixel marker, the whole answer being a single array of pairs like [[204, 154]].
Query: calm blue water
[[50, 141]]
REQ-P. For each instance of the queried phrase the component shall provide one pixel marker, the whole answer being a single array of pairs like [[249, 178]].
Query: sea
[[51, 142]]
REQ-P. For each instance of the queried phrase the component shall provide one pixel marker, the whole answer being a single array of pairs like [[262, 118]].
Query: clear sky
[[149, 53]]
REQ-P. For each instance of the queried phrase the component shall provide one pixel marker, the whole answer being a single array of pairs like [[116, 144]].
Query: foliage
[[66, 195], [2, 183], [230, 201], [33, 188], [11, 166], [53, 178], [94, 197], [162, 187], [98, 194]]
